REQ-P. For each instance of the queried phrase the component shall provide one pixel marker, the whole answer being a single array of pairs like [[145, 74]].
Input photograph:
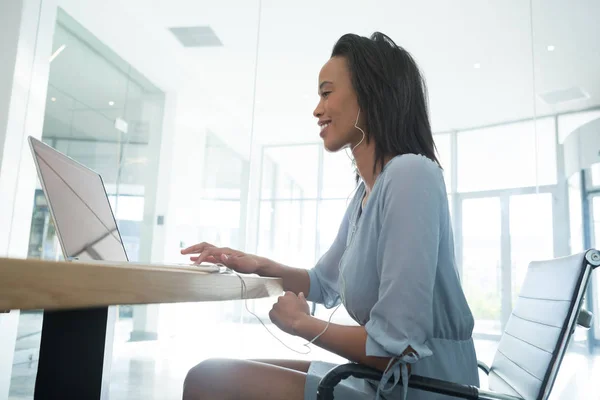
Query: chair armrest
[[483, 366], [341, 372], [337, 374]]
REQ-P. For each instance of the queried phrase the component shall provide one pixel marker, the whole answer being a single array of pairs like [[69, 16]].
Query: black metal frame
[[337, 374], [75, 354], [328, 383]]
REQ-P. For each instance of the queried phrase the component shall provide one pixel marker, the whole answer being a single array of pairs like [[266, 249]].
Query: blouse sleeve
[[407, 256], [324, 275]]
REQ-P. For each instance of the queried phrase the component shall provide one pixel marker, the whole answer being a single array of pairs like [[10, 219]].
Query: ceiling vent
[[196, 36], [563, 95]]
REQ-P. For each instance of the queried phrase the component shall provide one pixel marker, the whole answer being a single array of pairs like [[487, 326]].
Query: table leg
[[75, 354]]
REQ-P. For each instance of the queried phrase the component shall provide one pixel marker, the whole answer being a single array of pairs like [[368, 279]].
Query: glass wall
[[103, 113], [222, 146]]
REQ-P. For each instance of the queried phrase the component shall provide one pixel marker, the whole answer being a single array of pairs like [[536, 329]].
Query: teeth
[[324, 126]]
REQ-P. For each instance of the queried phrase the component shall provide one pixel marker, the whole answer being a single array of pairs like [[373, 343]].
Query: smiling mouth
[[324, 125]]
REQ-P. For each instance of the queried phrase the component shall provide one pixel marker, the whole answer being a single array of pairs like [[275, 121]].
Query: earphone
[[245, 298], [361, 140], [360, 129]]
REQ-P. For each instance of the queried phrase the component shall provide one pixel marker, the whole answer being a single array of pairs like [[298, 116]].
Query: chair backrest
[[540, 326]]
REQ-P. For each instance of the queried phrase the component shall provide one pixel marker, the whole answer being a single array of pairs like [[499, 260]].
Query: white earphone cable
[[244, 295], [361, 140]]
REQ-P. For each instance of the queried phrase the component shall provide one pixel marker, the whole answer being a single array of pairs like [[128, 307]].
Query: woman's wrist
[[294, 280], [308, 327], [268, 268]]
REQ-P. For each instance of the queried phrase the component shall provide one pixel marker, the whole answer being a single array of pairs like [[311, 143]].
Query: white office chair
[[532, 346]]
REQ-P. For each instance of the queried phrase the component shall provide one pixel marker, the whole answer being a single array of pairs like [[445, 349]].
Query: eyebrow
[[323, 84]]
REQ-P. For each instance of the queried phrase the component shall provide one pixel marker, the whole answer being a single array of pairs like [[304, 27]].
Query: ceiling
[[215, 86]]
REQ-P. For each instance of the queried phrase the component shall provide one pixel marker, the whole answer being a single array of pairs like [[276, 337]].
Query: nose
[[318, 112]]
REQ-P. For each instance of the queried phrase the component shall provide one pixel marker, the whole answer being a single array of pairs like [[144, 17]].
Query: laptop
[[78, 202]]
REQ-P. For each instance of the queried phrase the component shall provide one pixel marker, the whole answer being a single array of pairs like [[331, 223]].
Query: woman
[[392, 263]]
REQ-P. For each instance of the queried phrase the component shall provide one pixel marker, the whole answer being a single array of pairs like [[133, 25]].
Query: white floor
[[156, 369]]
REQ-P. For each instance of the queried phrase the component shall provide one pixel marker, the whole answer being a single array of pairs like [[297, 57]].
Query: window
[[531, 234], [288, 205], [267, 189], [507, 156], [287, 230], [481, 270], [293, 172], [339, 176]]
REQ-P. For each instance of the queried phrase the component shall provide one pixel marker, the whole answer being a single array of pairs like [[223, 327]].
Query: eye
[[325, 94]]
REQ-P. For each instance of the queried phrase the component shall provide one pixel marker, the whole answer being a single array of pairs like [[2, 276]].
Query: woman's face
[[338, 106]]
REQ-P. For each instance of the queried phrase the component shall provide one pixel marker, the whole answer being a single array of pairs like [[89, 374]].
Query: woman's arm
[[295, 280], [291, 314], [346, 341]]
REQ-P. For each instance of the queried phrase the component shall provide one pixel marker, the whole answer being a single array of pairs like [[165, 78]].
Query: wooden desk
[[36, 284], [77, 331]]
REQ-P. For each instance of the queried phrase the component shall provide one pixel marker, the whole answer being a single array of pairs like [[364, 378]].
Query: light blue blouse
[[392, 264]]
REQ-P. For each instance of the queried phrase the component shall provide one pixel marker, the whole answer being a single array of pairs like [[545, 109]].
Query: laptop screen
[[84, 221]]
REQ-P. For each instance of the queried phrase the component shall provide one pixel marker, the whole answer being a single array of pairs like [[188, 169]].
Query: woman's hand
[[288, 311], [234, 259]]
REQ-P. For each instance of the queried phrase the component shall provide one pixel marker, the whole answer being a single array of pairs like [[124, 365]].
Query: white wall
[[582, 147], [27, 27], [10, 20]]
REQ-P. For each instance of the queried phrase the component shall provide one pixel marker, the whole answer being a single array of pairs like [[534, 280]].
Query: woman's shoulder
[[413, 169], [412, 183]]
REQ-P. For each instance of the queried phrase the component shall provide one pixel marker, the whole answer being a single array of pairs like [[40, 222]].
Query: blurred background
[[198, 115]]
